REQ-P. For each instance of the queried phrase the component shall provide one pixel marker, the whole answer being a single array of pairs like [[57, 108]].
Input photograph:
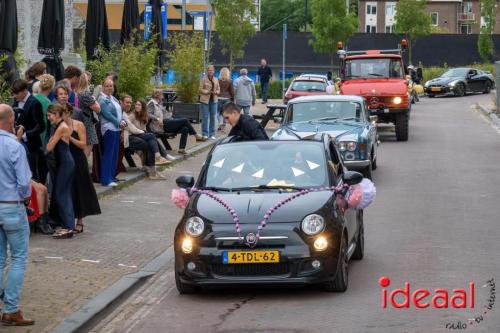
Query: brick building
[[448, 16]]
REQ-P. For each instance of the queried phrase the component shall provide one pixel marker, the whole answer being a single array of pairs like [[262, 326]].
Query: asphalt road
[[435, 224]]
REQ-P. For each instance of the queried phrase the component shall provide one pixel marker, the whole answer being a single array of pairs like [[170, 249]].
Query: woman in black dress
[[61, 205], [85, 202]]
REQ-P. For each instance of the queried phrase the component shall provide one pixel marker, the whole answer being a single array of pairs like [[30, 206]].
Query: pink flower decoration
[[356, 194], [180, 198]]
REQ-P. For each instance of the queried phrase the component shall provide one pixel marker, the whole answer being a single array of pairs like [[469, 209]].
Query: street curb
[[490, 115], [105, 191], [104, 303]]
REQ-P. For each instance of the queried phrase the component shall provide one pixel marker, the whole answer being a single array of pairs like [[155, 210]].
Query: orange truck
[[379, 77]]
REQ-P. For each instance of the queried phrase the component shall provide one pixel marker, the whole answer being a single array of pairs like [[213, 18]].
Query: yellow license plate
[[435, 89], [250, 257]]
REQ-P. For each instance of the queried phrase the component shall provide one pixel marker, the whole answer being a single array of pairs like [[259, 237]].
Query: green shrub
[[107, 61], [5, 93], [136, 66], [186, 59], [275, 89]]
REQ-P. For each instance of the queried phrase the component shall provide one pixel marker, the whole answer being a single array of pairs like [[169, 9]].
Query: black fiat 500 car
[[307, 240]]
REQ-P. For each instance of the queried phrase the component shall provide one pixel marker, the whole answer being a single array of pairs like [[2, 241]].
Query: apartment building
[[447, 16]]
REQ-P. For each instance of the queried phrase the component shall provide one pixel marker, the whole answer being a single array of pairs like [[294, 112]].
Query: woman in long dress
[[85, 202], [61, 210]]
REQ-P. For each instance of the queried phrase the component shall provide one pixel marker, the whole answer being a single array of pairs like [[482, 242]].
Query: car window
[[326, 110], [373, 67], [308, 86], [278, 163], [456, 72]]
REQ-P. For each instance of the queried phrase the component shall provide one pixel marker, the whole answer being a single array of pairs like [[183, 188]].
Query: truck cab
[[379, 77]]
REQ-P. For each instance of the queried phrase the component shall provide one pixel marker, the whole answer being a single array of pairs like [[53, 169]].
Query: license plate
[[250, 257], [435, 89]]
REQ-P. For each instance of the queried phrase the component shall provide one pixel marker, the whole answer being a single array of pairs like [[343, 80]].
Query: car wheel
[[374, 162], [341, 280], [402, 121], [360, 241], [182, 287], [430, 96], [367, 172], [487, 87], [459, 90]]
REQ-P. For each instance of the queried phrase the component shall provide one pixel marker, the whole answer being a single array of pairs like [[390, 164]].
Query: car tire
[[367, 171], [402, 124], [360, 241], [341, 280], [430, 96], [459, 90], [374, 162], [184, 288], [487, 87]]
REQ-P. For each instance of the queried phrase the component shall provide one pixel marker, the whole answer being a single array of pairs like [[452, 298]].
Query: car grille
[[251, 269]]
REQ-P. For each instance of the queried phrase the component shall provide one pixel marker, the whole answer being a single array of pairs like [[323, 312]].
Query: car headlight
[[351, 146], [347, 145], [313, 224], [342, 146], [453, 83], [194, 226], [397, 100], [427, 84]]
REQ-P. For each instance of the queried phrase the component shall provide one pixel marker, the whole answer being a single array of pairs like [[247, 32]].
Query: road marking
[[154, 202], [58, 258], [127, 201], [122, 265], [92, 261]]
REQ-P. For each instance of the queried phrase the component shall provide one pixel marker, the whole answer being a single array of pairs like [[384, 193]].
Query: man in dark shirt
[[265, 75], [29, 117], [243, 126]]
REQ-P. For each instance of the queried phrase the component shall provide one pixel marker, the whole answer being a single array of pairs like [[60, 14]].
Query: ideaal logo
[[439, 299]]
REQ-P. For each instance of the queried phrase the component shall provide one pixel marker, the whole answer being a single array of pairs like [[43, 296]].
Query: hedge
[[274, 90]]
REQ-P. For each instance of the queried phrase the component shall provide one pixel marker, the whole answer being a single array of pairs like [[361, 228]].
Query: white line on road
[[122, 265], [92, 261], [58, 258], [127, 201], [154, 202]]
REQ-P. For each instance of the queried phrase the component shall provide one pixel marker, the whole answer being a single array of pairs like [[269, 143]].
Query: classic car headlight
[[342, 146], [347, 145], [351, 146], [397, 100], [313, 224], [194, 226]]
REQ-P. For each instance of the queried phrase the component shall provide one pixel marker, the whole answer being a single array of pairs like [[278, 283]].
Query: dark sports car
[[306, 241], [459, 82]]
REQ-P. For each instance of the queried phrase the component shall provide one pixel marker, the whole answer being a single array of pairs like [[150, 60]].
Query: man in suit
[[29, 118]]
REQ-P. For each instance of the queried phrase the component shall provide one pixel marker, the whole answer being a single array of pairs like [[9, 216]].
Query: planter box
[[191, 111]]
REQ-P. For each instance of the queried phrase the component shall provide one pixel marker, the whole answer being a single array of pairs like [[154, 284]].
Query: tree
[[485, 42], [291, 12], [233, 25], [412, 20], [331, 24]]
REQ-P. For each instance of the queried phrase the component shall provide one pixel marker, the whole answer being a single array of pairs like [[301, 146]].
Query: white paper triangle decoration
[[259, 174], [239, 168], [219, 164], [312, 165], [297, 172]]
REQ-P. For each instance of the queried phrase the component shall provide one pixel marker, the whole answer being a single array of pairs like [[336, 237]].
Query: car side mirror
[[185, 181], [373, 119], [352, 177]]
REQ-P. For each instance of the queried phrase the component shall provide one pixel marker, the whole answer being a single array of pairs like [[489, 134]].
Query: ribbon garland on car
[[340, 189]]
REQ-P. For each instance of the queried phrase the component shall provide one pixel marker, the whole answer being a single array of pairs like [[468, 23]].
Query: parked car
[[307, 242], [306, 86], [459, 82], [319, 76], [344, 117]]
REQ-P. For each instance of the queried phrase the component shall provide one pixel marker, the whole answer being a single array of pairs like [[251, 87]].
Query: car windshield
[[308, 86], [373, 67], [457, 72], [323, 111], [264, 165]]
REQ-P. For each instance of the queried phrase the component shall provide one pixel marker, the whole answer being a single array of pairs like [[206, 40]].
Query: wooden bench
[[271, 109]]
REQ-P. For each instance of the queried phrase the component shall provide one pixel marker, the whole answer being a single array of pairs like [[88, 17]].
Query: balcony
[[464, 17]]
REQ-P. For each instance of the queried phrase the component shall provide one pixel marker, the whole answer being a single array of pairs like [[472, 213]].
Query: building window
[[389, 29], [371, 29], [390, 9], [371, 9], [466, 29], [466, 7], [434, 19]]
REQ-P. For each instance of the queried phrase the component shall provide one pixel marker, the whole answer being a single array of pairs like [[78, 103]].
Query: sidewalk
[[137, 224]]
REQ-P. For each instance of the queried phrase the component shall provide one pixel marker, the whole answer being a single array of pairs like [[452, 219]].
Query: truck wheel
[[402, 121]]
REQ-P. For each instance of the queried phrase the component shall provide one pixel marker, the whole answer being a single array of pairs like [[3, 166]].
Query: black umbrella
[[96, 30], [8, 37], [157, 28], [51, 38], [130, 20]]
